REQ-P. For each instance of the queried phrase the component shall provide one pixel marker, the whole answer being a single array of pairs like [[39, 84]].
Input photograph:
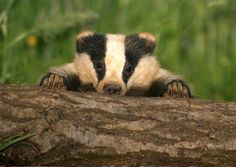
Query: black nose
[[112, 89]]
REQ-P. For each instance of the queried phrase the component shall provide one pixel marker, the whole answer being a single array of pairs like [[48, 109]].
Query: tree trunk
[[89, 129]]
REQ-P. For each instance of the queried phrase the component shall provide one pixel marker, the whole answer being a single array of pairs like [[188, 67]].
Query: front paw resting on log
[[52, 80], [177, 88]]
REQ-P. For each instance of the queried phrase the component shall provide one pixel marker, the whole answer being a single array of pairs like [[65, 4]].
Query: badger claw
[[53, 81], [177, 88]]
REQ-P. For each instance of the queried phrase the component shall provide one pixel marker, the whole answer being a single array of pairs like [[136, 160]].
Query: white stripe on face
[[115, 56], [114, 62], [144, 73], [85, 69]]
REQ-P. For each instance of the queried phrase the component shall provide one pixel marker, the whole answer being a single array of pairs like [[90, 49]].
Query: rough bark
[[74, 128]]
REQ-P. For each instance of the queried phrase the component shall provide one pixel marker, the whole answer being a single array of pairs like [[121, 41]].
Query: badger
[[116, 64]]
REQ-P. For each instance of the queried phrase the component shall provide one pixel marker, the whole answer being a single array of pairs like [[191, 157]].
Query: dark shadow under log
[[74, 129]]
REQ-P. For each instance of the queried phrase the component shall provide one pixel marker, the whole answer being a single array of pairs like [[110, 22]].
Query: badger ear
[[84, 34], [142, 43], [92, 43], [83, 40], [147, 36], [150, 41]]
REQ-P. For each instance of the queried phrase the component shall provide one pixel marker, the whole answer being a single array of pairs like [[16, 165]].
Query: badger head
[[115, 63]]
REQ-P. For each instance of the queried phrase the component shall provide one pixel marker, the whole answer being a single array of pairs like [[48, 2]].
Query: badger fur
[[116, 64]]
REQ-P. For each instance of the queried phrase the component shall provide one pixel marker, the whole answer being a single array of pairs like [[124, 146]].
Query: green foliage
[[11, 140], [196, 37]]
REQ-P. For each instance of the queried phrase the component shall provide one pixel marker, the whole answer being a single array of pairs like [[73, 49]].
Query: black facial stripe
[[135, 48], [95, 46]]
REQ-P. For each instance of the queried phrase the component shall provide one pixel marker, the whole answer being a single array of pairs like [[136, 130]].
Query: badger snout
[[112, 89]]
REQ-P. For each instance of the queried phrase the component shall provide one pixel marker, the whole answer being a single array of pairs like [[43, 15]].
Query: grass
[[11, 140], [196, 38]]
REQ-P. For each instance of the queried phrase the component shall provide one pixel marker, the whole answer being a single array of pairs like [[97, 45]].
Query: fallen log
[[89, 129]]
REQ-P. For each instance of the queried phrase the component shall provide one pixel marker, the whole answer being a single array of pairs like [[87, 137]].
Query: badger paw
[[177, 88], [53, 81]]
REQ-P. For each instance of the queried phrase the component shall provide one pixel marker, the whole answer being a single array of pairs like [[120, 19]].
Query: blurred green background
[[196, 38]]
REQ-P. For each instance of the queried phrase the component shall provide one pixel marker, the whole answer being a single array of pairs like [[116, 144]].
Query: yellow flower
[[31, 41]]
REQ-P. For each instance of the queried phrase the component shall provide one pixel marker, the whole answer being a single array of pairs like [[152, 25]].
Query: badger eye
[[129, 69], [99, 66]]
